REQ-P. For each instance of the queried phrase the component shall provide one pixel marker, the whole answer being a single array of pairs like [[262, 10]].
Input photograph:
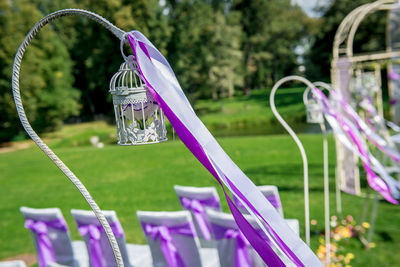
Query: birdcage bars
[[139, 119]]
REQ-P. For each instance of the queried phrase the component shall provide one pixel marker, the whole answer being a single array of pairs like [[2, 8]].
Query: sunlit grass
[[127, 179]]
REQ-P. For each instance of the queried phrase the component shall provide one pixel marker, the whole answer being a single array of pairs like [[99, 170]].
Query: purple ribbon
[[392, 75], [44, 244], [94, 234], [242, 258], [139, 42], [164, 234], [373, 180], [197, 207], [393, 101], [377, 140]]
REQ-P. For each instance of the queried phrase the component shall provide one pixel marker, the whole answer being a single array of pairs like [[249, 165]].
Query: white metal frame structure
[[298, 143], [345, 61], [326, 174], [120, 34]]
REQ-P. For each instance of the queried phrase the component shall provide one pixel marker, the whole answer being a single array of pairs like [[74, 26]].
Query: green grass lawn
[[127, 179], [252, 115]]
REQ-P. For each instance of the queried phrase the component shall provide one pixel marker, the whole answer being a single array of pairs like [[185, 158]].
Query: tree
[[204, 48], [369, 37], [272, 30], [96, 52], [225, 56], [46, 84]]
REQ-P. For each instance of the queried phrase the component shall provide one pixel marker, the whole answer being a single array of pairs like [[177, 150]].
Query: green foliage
[[215, 47], [46, 71], [272, 29], [370, 36]]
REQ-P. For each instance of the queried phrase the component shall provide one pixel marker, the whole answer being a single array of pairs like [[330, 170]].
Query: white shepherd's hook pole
[[299, 144], [326, 175], [28, 128]]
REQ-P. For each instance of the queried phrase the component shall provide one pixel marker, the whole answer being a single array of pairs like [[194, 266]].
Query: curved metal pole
[[326, 175], [298, 143], [28, 128]]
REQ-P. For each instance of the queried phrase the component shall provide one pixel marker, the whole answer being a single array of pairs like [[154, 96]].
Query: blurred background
[[219, 49]]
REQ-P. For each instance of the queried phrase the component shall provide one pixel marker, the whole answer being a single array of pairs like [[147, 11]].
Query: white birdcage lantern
[[139, 119], [313, 108]]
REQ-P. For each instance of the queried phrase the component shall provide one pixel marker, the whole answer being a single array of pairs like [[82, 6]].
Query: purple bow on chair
[[44, 245], [274, 200], [197, 207], [164, 233], [94, 233], [242, 258]]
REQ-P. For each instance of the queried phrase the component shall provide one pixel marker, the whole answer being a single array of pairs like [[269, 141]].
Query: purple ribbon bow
[[164, 233], [94, 234], [44, 244], [197, 207], [274, 200], [242, 258]]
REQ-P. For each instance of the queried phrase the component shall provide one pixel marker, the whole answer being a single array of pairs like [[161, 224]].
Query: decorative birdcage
[[313, 108], [138, 117], [314, 112]]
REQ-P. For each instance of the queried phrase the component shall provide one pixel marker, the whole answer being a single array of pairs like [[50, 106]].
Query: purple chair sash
[[164, 234], [94, 233], [274, 200], [44, 244], [197, 207], [242, 258]]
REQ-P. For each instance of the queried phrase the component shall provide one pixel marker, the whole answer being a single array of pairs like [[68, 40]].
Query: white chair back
[[86, 218], [294, 224], [197, 200], [221, 223], [182, 236], [12, 264], [60, 239]]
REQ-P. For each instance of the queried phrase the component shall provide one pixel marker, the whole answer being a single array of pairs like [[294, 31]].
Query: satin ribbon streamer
[[377, 140], [94, 234], [197, 207], [164, 87], [44, 244], [164, 234], [385, 184]]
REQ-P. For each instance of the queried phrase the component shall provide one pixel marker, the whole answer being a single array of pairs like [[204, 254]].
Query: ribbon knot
[[242, 258], [192, 204], [44, 244], [164, 233], [196, 205], [93, 232], [156, 232]]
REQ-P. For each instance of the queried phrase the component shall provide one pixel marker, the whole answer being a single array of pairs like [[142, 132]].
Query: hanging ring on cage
[[124, 40]]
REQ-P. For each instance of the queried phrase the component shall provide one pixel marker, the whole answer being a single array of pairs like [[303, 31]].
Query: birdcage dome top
[[127, 86]]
